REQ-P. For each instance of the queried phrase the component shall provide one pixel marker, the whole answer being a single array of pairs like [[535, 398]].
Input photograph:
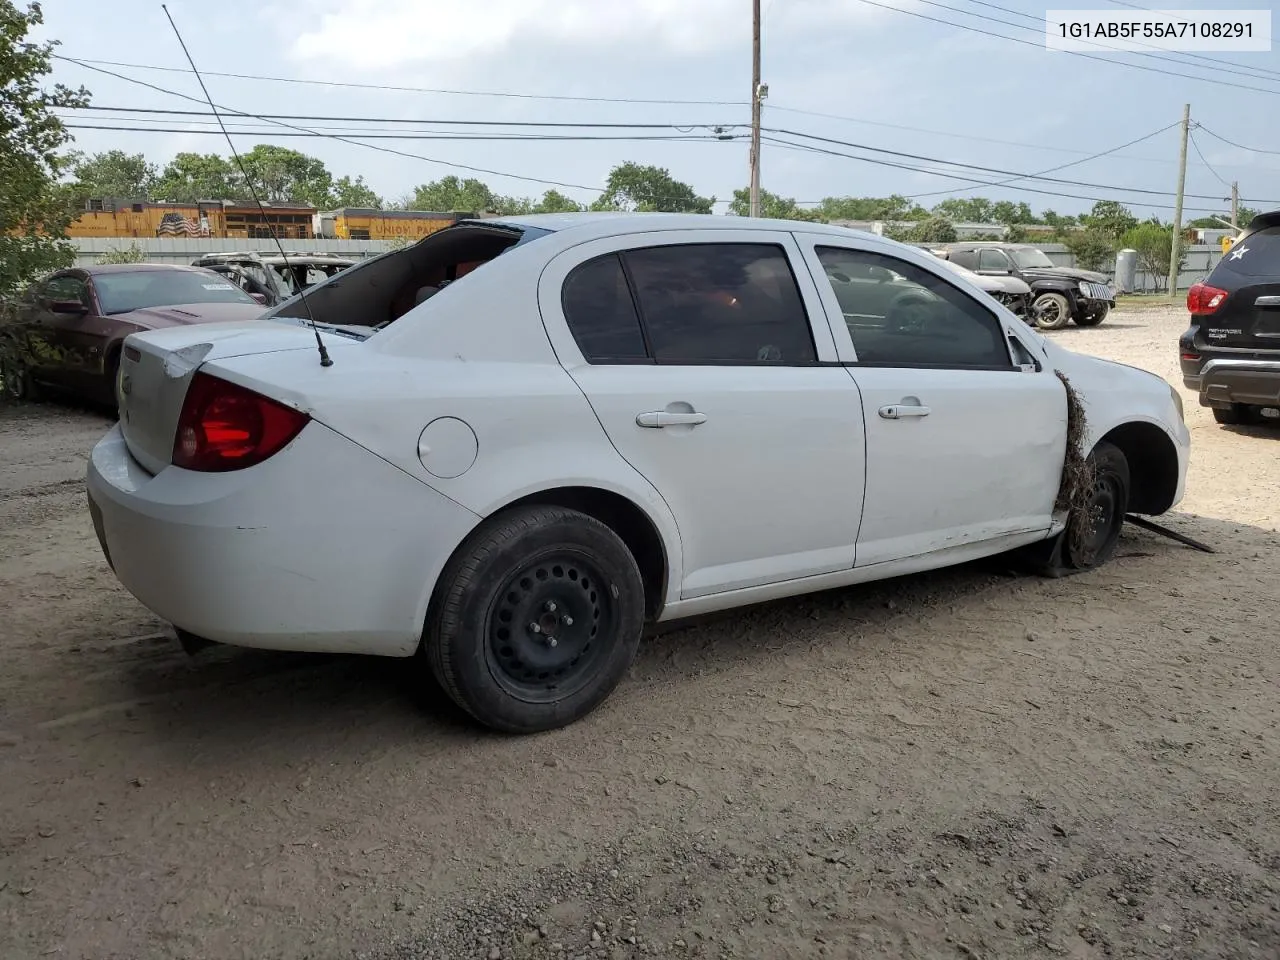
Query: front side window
[[66, 288], [720, 303], [135, 290], [992, 260], [899, 314]]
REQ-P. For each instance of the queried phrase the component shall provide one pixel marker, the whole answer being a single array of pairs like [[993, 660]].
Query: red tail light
[[227, 427], [1203, 299]]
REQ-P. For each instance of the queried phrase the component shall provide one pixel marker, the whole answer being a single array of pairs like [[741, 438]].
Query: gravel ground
[[964, 764]]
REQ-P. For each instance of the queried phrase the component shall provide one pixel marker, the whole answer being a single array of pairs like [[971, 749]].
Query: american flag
[[176, 225]]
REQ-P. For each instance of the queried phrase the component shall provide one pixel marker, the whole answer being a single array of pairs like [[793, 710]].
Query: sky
[[864, 74]]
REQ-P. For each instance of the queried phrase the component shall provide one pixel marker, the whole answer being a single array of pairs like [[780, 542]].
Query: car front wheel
[[1052, 311], [1094, 318], [537, 619], [1236, 415]]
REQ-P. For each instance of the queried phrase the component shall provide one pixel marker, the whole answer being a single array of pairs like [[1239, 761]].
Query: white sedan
[[535, 434]]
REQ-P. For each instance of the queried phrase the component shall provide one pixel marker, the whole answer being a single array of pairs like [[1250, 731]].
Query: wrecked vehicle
[[504, 449], [1013, 293], [272, 278]]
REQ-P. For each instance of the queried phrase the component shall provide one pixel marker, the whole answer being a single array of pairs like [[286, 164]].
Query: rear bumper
[[1222, 382], [323, 548]]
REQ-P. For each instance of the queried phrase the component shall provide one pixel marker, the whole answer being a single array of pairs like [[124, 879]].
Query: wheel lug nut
[[534, 628], [551, 641], [551, 606], [568, 620]]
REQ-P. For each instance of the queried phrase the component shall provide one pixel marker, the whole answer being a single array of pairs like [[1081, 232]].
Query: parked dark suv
[[1058, 294], [1230, 355]]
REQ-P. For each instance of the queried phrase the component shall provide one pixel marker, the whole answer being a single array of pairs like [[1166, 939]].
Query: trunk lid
[[1250, 273], [156, 368]]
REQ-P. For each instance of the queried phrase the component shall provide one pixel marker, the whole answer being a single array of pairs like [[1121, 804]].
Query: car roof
[[612, 223], [1264, 220]]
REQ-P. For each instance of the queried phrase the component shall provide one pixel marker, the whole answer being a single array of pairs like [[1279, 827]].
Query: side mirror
[[260, 297], [72, 307]]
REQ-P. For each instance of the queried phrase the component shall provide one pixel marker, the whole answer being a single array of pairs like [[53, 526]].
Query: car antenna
[[325, 359]]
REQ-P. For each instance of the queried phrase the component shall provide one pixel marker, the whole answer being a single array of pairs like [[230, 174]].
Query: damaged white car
[[507, 447]]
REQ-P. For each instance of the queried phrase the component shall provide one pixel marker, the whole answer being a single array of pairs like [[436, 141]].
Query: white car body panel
[[336, 542]]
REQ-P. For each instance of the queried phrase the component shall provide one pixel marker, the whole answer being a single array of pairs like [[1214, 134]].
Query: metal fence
[[1199, 260], [186, 249]]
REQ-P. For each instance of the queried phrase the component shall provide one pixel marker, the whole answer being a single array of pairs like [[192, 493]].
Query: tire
[[1236, 415], [559, 570], [1056, 309], [16, 382], [1093, 319], [1083, 545], [110, 371]]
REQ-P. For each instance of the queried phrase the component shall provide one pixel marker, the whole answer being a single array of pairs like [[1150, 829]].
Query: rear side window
[[601, 314], [1257, 255], [721, 303]]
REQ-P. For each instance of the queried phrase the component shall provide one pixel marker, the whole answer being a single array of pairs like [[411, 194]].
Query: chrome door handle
[[662, 418], [899, 411]]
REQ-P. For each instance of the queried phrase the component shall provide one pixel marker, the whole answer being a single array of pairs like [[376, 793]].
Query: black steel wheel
[[1093, 530], [536, 619], [1094, 318]]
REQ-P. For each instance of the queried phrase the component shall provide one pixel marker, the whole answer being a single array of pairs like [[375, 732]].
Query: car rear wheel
[[1052, 311], [537, 619], [16, 382], [1236, 415], [1093, 319]]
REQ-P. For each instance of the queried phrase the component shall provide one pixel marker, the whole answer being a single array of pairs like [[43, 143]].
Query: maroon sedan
[[71, 325]]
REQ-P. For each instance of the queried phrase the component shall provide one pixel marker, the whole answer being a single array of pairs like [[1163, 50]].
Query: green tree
[[632, 186], [1054, 219], [353, 193], [934, 229], [893, 207], [281, 175], [1153, 242], [452, 195], [1091, 247], [966, 209], [1011, 214], [1110, 218], [115, 173], [190, 177], [130, 254], [553, 201], [771, 205], [34, 209]]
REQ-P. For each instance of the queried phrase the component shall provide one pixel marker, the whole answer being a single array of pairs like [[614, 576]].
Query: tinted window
[[1257, 255], [66, 288], [122, 292], [601, 314], [721, 302], [992, 260], [898, 313]]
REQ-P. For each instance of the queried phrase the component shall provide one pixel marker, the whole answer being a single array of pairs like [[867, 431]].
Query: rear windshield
[[1257, 255], [122, 292]]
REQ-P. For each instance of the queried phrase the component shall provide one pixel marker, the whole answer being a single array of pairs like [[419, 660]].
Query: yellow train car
[[363, 223], [113, 218]]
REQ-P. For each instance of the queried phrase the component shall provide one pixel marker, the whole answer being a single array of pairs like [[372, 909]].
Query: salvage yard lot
[[959, 764]]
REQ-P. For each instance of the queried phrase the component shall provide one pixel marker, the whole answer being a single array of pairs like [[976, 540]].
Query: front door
[[701, 354], [962, 444]]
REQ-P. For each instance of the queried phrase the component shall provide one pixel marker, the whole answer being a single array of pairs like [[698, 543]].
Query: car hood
[[1064, 273], [1002, 284], [182, 314]]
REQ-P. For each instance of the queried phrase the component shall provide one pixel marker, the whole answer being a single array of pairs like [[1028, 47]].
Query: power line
[[363, 135], [1039, 46], [985, 169], [1195, 56], [467, 123], [1151, 46], [1238, 146], [1225, 183], [1061, 166], [808, 148], [399, 89]]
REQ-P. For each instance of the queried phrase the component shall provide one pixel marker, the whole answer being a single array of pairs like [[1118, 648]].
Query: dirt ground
[[965, 764]]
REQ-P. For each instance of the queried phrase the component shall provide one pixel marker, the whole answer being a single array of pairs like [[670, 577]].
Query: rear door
[[965, 442], [708, 360], [1250, 273]]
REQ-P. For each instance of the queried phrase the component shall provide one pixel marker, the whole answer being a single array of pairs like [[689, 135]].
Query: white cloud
[[373, 35]]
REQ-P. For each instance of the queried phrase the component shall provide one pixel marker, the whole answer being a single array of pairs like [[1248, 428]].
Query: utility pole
[[755, 108], [1175, 250], [1235, 206]]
